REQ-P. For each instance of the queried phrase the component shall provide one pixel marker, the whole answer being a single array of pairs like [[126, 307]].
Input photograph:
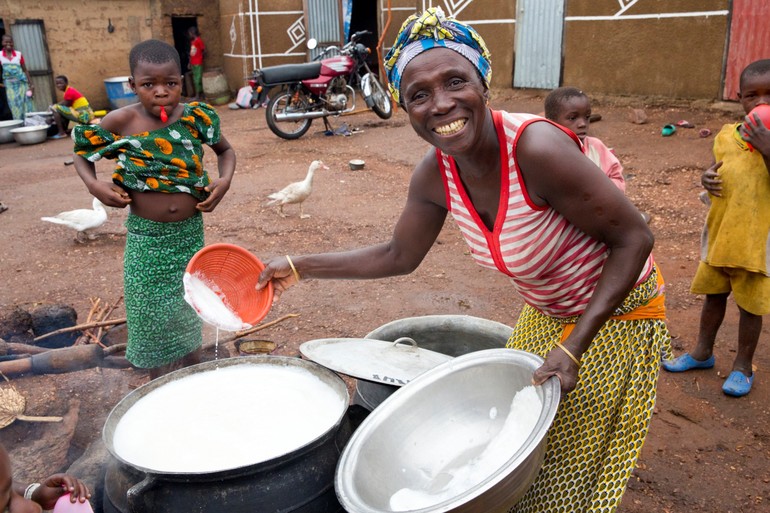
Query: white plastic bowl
[[5, 129], [30, 134]]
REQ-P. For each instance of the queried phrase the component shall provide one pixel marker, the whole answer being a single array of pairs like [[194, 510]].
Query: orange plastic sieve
[[234, 272]]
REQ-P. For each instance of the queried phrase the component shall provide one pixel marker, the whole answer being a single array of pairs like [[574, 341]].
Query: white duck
[[81, 219], [296, 192]]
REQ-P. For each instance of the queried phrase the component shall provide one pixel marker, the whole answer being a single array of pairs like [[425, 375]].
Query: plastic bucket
[[119, 92], [454, 335], [215, 87]]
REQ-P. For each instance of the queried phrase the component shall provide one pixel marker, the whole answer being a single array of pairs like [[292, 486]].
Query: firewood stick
[[249, 331], [113, 322], [33, 418], [107, 313]]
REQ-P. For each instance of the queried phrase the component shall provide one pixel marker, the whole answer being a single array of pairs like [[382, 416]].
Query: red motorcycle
[[323, 88]]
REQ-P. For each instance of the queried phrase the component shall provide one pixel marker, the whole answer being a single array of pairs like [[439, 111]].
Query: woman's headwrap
[[432, 29]]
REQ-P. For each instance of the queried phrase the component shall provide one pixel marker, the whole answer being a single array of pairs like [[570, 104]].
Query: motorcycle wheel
[[382, 105], [285, 129]]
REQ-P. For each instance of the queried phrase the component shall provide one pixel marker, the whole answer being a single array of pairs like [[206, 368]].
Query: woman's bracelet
[[293, 269], [569, 353], [30, 490]]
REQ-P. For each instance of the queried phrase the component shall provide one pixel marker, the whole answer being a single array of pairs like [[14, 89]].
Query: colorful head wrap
[[432, 29]]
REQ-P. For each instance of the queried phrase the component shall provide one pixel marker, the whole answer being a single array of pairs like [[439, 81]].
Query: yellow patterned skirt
[[599, 429]]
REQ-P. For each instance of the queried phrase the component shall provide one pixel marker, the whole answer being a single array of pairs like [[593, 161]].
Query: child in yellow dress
[[735, 244]]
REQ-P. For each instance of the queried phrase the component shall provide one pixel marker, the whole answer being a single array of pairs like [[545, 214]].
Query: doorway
[[363, 16], [179, 26]]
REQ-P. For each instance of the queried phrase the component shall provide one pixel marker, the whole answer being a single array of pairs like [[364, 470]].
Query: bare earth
[[705, 452]]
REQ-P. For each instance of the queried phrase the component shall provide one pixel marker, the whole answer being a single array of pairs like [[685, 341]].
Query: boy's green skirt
[[162, 327]]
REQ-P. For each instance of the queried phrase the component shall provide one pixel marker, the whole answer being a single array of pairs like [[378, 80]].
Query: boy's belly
[[163, 207]]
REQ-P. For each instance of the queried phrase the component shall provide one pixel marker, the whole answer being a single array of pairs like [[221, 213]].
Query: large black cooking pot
[[301, 481]]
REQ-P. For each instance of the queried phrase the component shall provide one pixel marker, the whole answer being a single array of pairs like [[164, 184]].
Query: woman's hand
[[280, 272], [217, 189], [57, 485], [710, 180], [558, 364]]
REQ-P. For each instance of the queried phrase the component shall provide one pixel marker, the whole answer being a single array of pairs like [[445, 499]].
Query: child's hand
[[57, 485], [754, 132], [710, 180], [217, 189], [109, 194]]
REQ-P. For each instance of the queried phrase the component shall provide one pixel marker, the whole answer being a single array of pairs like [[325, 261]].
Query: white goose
[[81, 219], [296, 192]]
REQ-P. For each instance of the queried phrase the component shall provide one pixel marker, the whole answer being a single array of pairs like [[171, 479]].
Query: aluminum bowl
[[443, 408], [5, 129], [30, 134]]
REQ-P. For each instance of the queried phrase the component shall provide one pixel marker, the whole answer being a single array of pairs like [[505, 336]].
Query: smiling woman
[[532, 207]]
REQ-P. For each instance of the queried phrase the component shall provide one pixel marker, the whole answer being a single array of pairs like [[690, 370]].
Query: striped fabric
[[552, 264]]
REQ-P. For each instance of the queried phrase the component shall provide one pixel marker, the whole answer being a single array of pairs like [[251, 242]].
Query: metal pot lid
[[392, 363]]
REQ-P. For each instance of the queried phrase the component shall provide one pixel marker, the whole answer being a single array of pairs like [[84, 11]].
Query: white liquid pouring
[[210, 305], [445, 483]]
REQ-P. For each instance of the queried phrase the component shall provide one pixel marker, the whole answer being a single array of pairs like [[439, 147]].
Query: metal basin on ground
[[5, 129], [300, 481], [398, 444]]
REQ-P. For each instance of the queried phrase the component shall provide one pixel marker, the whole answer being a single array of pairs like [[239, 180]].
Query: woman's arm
[[415, 232], [557, 174]]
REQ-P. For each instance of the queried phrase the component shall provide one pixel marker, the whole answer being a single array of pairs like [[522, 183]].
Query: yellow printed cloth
[[600, 427], [169, 159], [737, 230], [82, 114]]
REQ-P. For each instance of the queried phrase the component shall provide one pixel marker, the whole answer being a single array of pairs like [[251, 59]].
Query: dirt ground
[[705, 452]]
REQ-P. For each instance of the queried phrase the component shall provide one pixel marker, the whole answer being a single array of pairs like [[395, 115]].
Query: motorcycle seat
[[290, 73]]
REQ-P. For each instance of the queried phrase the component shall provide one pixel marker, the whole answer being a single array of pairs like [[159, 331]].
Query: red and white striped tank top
[[552, 264]]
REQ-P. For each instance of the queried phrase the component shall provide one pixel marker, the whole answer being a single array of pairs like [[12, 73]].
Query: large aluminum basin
[[440, 411]]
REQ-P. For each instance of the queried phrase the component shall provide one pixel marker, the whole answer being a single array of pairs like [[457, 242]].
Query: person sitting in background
[[73, 107], [16, 498]]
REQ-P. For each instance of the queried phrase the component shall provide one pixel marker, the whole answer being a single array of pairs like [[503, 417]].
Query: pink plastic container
[[63, 505]]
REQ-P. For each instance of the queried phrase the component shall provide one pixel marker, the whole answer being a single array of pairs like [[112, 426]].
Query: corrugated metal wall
[[539, 27], [29, 39], [324, 23], [749, 41]]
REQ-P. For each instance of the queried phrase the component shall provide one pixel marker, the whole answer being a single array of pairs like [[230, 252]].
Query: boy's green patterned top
[[169, 159]]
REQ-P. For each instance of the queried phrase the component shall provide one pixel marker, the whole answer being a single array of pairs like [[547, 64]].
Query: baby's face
[[575, 114], [755, 90], [157, 85]]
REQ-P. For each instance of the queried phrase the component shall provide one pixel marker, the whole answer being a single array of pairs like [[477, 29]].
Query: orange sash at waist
[[653, 309]]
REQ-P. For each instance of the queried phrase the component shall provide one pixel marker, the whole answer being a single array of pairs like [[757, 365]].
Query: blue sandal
[[686, 362], [738, 384]]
